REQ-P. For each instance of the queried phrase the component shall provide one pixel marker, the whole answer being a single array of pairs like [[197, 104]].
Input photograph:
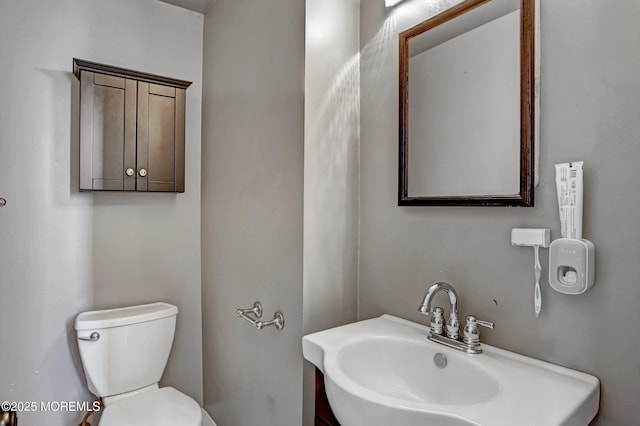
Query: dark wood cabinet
[[132, 129], [324, 416]]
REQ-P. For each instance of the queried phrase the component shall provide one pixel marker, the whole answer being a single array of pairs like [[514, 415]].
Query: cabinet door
[[161, 128], [107, 132]]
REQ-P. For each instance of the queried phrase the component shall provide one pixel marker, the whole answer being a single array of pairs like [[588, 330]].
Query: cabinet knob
[[143, 172], [3, 202], [130, 171]]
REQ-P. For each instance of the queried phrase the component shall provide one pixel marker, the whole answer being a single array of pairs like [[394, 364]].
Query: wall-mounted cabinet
[[132, 129]]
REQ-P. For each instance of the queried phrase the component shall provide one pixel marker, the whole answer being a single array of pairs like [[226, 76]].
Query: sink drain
[[440, 360]]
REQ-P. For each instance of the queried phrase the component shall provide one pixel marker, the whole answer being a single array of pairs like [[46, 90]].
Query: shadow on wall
[[334, 159], [383, 46]]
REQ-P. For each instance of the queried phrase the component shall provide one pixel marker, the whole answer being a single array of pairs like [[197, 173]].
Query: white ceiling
[[196, 5]]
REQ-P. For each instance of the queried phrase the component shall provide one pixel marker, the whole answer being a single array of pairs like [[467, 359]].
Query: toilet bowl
[[124, 352]]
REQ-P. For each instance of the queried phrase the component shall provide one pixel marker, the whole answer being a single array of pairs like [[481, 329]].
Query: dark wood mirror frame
[[527, 112]]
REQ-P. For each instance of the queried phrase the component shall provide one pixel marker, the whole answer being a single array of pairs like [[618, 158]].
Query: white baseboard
[[206, 419]]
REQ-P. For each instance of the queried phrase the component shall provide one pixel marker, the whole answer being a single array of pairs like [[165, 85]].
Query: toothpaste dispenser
[[571, 265]]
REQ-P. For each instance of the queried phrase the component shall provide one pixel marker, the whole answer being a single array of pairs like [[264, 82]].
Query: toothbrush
[[537, 297], [536, 238]]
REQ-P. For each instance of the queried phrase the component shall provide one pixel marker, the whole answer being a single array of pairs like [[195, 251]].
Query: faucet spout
[[453, 323], [471, 341], [425, 307]]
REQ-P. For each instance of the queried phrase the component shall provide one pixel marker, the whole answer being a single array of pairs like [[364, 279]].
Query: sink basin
[[396, 367], [382, 372]]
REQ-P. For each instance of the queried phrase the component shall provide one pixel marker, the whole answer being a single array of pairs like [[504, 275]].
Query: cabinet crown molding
[[82, 65]]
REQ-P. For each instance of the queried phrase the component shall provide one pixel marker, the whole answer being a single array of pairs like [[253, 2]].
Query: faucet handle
[[437, 320], [487, 324], [472, 331]]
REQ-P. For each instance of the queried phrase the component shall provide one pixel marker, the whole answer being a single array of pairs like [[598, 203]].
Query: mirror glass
[[466, 107]]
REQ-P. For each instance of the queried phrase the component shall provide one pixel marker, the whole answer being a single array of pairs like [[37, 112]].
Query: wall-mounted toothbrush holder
[[256, 310], [536, 238]]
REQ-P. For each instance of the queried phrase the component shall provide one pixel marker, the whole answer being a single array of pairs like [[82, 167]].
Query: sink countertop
[[530, 391]]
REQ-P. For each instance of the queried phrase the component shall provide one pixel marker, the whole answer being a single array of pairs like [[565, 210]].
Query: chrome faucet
[[453, 324], [471, 341]]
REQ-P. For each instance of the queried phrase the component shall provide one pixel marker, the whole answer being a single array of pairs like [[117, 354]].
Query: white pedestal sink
[[382, 372]]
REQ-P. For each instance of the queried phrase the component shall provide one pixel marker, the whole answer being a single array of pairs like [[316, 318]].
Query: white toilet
[[124, 352]]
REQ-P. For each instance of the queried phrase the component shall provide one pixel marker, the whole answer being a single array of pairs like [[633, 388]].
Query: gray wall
[[252, 209], [590, 104], [62, 252], [332, 131]]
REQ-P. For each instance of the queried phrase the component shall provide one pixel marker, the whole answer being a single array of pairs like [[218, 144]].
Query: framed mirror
[[468, 106]]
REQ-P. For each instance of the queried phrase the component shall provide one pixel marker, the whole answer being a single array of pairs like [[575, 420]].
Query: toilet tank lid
[[124, 316]]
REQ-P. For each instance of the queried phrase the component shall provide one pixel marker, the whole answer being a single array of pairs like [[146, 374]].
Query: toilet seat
[[161, 407]]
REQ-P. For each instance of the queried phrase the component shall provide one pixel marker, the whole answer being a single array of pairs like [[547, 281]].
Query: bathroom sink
[[396, 368], [383, 372]]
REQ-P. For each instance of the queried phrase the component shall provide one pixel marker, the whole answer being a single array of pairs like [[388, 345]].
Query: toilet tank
[[132, 349]]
